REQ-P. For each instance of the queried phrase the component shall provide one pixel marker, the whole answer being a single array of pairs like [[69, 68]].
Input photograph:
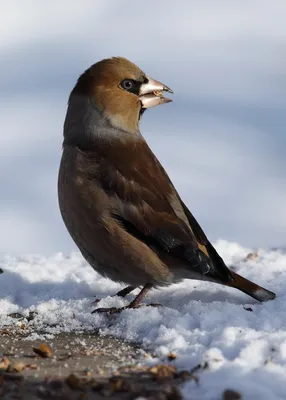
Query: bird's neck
[[85, 124]]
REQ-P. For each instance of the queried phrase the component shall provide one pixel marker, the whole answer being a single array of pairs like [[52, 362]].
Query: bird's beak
[[151, 93]]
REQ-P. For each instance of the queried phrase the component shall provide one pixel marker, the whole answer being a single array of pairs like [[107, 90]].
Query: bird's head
[[120, 91]]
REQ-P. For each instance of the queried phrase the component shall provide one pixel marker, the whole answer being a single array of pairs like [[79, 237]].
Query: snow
[[201, 322]]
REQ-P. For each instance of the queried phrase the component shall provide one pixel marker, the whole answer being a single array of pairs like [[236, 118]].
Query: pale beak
[[151, 93]]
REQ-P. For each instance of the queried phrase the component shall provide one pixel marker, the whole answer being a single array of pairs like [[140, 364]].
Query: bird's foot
[[117, 310], [136, 303], [108, 310]]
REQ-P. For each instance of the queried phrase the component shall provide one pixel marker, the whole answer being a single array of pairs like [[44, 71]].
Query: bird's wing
[[206, 246], [145, 204]]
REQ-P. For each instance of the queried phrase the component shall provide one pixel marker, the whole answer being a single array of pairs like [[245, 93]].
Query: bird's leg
[[140, 296], [124, 292], [134, 304]]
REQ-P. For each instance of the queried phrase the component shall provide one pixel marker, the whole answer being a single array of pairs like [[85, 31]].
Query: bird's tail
[[250, 288]]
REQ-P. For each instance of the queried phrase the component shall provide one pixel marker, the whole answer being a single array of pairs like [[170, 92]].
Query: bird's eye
[[127, 84]]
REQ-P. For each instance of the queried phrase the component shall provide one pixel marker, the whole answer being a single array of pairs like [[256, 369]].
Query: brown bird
[[116, 199]]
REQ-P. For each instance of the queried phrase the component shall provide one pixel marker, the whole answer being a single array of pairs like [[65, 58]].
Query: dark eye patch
[[131, 85]]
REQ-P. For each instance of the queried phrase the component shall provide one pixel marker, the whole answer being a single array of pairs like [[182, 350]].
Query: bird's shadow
[[175, 297]]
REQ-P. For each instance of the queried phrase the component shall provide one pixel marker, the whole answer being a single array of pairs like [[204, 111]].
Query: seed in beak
[[158, 93]]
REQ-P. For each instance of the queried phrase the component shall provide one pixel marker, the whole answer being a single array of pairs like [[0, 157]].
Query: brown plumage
[[116, 199]]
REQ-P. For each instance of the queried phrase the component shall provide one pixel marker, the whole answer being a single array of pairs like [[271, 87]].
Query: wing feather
[[143, 200]]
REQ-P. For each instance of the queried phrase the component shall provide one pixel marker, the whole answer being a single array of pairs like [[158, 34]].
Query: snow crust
[[241, 343]]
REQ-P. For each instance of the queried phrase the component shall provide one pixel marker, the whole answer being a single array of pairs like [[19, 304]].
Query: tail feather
[[250, 288]]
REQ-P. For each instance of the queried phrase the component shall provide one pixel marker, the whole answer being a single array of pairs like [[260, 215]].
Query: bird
[[116, 199]]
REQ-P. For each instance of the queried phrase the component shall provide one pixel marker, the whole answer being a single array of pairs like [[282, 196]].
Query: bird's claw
[[117, 310], [153, 305], [110, 310]]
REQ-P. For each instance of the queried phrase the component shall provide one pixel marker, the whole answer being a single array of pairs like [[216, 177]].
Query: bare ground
[[82, 366]]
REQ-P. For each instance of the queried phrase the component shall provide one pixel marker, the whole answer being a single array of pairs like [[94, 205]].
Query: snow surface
[[201, 322]]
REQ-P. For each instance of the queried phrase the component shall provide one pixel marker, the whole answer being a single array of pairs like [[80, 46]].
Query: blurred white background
[[222, 140]]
